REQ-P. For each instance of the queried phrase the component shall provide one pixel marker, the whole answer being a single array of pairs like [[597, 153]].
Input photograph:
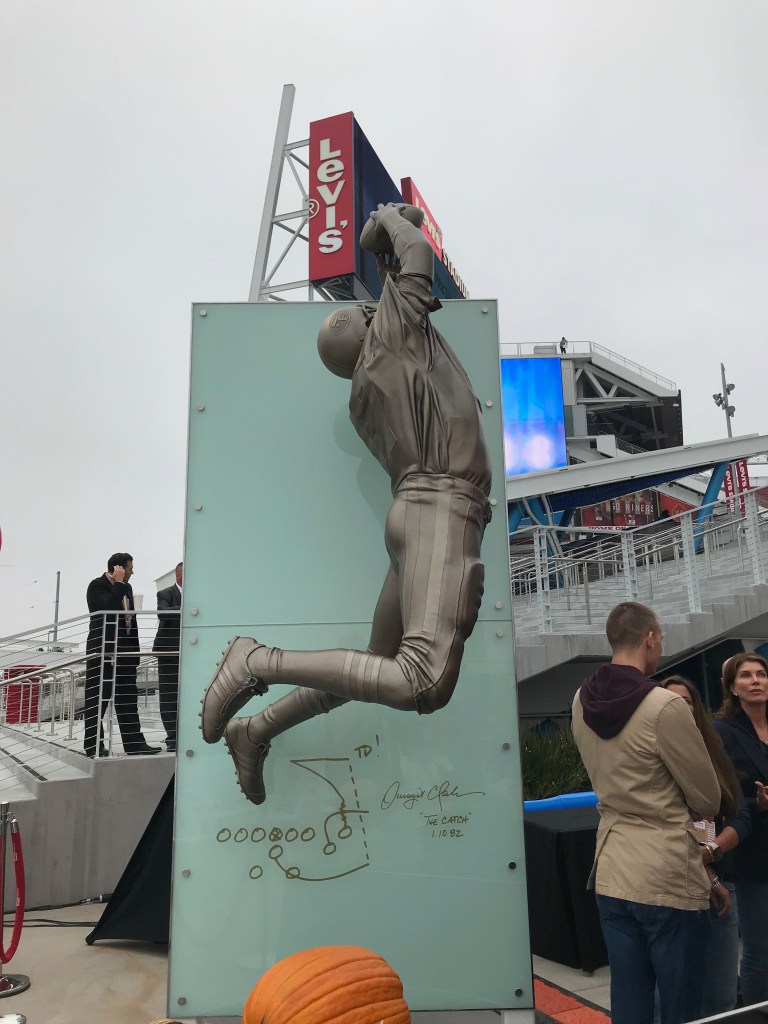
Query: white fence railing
[[541, 348], [567, 579], [99, 689]]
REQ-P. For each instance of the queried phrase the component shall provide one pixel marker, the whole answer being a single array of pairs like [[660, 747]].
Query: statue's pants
[[427, 609]]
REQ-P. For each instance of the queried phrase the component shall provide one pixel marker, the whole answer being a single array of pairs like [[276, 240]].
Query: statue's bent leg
[[234, 684], [439, 530], [248, 739], [387, 625], [434, 530]]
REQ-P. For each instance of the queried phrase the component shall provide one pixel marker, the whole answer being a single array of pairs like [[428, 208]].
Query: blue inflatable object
[[552, 803]]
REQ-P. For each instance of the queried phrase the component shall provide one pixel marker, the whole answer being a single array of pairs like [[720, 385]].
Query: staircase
[[80, 819], [26, 762]]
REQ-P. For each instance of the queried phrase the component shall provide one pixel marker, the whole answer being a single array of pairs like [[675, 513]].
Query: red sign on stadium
[[737, 482], [412, 195], [332, 239]]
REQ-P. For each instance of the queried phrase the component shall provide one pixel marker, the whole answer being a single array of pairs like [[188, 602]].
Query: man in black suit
[[113, 657], [166, 647]]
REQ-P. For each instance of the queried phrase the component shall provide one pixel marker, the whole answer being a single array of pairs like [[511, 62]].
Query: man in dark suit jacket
[[113, 657], [166, 647]]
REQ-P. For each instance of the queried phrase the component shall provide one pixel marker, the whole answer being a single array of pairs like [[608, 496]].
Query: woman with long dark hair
[[730, 789], [717, 974], [742, 724]]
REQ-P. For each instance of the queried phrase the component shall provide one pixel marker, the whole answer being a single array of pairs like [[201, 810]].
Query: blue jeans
[[648, 947], [752, 898], [719, 972]]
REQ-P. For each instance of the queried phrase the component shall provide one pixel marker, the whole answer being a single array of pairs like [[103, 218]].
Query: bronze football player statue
[[413, 406]]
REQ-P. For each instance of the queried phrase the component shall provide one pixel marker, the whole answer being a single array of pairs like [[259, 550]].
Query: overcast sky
[[599, 167]]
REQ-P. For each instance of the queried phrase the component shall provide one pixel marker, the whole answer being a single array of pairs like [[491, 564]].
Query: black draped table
[[140, 906], [559, 850]]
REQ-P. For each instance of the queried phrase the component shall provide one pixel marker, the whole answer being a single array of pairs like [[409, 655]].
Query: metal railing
[[529, 348], [566, 580], [51, 693], [630, 449], [632, 365]]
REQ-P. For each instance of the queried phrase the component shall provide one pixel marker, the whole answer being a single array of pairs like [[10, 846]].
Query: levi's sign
[[346, 181], [737, 482], [332, 241]]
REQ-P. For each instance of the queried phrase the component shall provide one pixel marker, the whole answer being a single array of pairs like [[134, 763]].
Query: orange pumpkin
[[328, 985]]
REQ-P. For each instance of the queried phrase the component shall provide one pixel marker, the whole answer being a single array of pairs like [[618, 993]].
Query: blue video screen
[[534, 422]]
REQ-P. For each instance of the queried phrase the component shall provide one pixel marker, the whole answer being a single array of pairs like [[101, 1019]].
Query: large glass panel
[[381, 828]]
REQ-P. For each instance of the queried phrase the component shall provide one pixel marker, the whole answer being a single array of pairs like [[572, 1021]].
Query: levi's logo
[[330, 174]]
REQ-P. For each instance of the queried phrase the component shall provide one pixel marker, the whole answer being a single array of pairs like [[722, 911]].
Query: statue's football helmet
[[341, 338]]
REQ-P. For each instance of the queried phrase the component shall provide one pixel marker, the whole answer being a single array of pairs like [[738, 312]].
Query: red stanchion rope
[[21, 893]]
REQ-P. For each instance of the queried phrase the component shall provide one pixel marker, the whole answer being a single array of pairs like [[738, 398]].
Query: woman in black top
[[743, 727], [716, 967]]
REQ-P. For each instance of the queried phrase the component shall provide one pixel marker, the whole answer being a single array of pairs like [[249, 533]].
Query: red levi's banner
[[736, 481], [412, 196], [742, 475], [729, 489], [332, 238]]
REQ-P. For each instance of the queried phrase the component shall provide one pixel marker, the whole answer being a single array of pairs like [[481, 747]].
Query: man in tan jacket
[[652, 774]]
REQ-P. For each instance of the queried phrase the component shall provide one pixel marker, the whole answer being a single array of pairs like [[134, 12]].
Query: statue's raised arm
[[396, 229]]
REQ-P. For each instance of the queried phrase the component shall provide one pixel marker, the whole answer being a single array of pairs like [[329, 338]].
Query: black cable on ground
[[47, 922], [50, 922], [102, 898]]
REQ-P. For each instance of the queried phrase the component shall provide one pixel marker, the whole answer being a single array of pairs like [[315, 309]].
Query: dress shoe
[[143, 749], [103, 752], [170, 746], [230, 689]]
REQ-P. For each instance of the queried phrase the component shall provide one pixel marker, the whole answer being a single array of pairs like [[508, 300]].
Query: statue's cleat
[[230, 689], [249, 755]]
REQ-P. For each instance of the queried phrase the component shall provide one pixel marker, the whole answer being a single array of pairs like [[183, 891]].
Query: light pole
[[721, 400], [56, 608]]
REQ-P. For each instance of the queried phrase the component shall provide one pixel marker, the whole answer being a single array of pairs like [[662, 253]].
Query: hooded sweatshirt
[[611, 696], [651, 772]]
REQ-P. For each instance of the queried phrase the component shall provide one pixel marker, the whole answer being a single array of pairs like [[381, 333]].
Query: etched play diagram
[[336, 841]]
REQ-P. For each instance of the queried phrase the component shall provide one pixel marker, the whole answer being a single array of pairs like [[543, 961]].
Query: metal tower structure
[[287, 207]]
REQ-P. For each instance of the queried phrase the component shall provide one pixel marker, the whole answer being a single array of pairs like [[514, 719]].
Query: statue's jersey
[[412, 402]]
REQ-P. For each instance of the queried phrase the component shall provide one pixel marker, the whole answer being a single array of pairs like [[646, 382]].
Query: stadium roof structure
[[571, 487]]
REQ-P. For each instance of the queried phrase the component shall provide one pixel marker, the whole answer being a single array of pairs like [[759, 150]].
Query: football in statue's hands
[[373, 237]]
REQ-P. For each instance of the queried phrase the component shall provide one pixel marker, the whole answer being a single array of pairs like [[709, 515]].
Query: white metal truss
[[597, 386], [287, 207]]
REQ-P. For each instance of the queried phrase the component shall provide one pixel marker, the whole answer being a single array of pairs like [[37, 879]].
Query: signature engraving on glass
[[409, 797]]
